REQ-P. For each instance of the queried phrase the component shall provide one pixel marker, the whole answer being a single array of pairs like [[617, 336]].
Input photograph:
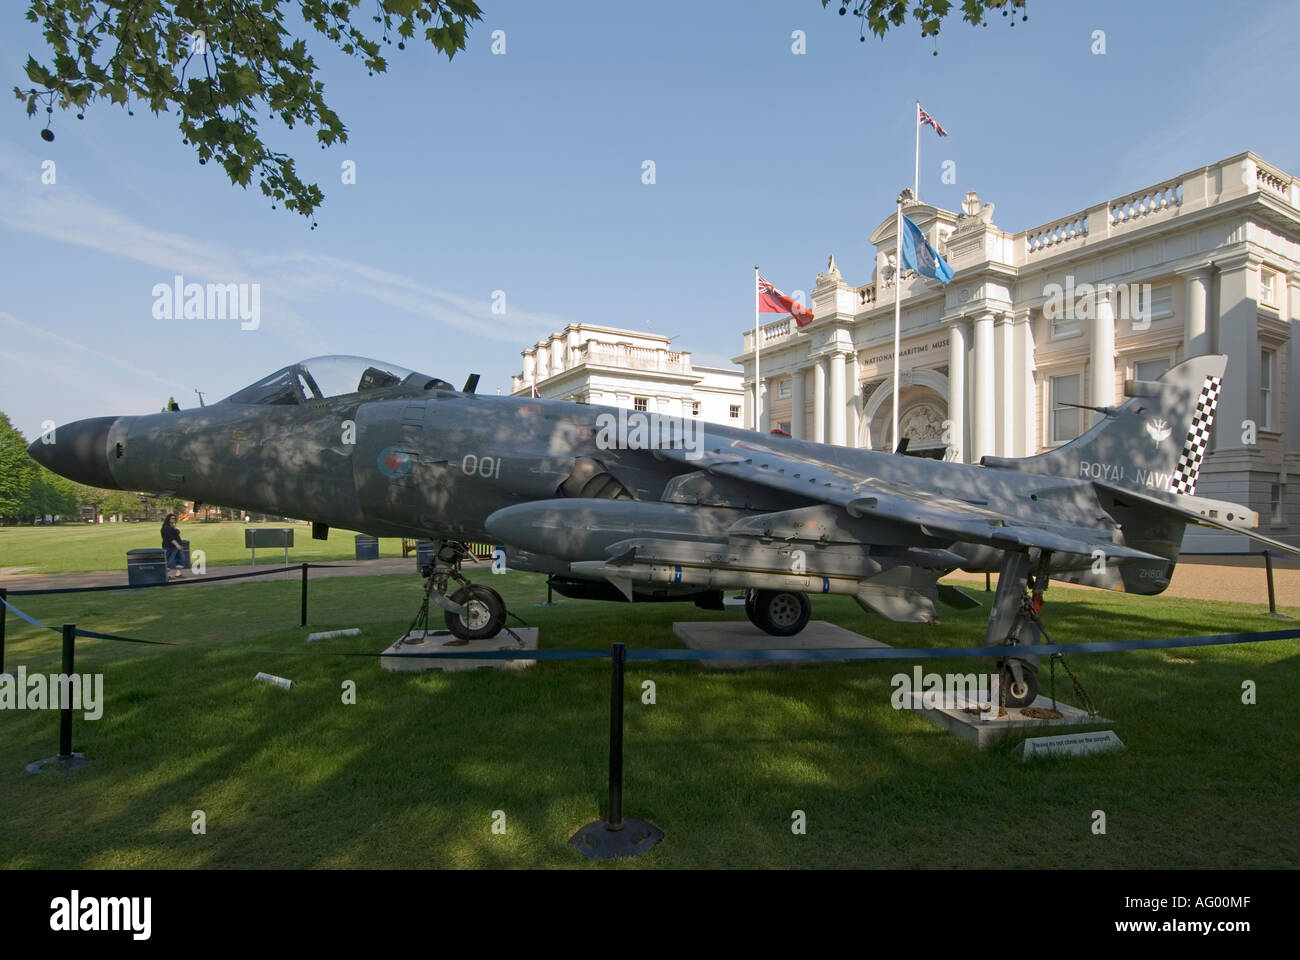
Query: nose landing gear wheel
[[485, 613], [782, 613]]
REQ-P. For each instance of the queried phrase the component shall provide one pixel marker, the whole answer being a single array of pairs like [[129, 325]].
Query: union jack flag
[[925, 119]]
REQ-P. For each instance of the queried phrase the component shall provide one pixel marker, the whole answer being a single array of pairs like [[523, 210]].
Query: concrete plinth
[[982, 729], [743, 635], [397, 657]]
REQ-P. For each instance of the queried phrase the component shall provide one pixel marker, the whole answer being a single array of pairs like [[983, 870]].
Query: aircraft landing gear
[[1014, 621], [473, 612], [782, 613], [484, 616]]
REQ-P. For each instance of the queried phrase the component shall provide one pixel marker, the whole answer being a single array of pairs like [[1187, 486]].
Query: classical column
[[797, 414], [1291, 422], [1004, 367], [819, 400], [765, 418], [957, 390], [1026, 395], [983, 427], [1196, 327], [1101, 358], [851, 402], [1239, 399], [836, 393]]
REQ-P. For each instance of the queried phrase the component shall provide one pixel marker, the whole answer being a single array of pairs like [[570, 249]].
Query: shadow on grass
[[414, 773]]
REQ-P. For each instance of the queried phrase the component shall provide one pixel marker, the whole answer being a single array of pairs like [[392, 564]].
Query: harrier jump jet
[[631, 506]]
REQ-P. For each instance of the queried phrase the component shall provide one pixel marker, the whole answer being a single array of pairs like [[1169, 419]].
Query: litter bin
[[185, 554], [146, 566], [423, 554], [367, 547]]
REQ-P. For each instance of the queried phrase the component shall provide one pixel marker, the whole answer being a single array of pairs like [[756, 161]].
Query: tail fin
[[1157, 438]]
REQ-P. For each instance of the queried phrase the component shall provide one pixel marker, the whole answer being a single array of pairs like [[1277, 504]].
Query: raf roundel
[[394, 462]]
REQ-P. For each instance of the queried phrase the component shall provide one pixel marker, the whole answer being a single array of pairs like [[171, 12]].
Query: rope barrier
[[178, 583], [824, 653]]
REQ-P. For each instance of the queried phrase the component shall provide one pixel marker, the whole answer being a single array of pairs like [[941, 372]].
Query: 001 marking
[[483, 466]]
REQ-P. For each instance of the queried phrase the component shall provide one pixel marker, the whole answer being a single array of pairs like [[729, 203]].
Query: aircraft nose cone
[[79, 452]]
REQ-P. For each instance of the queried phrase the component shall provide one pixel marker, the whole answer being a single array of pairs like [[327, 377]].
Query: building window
[[1266, 358], [1149, 369], [735, 411], [1065, 419], [695, 408], [1065, 321], [783, 390], [1267, 286], [1161, 303], [1275, 499], [640, 403]]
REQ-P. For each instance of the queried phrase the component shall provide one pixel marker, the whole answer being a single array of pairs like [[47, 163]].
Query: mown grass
[[410, 776], [75, 547]]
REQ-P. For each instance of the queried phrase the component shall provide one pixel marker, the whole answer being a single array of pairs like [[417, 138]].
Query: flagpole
[[898, 305], [758, 380], [916, 170]]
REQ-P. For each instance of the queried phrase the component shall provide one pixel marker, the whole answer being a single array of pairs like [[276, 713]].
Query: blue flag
[[918, 255]]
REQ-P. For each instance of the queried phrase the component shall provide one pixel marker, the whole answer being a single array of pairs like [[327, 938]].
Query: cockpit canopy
[[322, 378]]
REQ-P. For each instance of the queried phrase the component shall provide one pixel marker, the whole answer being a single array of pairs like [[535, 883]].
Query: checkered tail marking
[[1198, 439]]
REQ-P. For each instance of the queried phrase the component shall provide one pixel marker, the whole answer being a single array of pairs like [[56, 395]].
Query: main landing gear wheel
[[1019, 692], [485, 613], [782, 613]]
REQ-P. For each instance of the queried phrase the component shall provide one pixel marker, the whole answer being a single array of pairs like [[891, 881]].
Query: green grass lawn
[[411, 775], [72, 547]]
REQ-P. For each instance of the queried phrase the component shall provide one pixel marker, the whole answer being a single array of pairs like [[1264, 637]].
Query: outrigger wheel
[[484, 616], [782, 613], [1018, 691]]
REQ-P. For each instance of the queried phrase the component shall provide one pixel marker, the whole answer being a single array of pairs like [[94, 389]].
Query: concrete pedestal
[[972, 727], [397, 656]]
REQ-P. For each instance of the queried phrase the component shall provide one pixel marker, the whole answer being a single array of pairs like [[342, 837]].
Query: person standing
[[171, 541]]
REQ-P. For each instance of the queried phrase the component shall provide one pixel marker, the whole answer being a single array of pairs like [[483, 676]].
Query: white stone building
[[626, 368], [1205, 262]]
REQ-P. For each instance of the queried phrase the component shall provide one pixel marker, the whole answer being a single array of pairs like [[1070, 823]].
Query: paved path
[[1238, 579]]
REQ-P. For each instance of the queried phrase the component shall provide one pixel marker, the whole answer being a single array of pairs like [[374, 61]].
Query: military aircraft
[[633, 506]]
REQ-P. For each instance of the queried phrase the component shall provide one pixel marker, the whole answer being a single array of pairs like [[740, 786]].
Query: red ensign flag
[[772, 300]]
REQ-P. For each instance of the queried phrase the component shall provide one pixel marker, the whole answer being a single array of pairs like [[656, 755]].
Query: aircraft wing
[[932, 515]]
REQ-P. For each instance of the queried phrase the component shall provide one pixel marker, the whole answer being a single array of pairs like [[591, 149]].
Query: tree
[[49, 495], [880, 15], [217, 63], [17, 470]]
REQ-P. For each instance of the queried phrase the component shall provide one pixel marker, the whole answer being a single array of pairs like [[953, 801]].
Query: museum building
[[627, 368], [1063, 313]]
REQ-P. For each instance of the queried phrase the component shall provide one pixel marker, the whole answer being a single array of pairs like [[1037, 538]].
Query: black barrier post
[[1272, 597], [987, 584], [65, 712], [66, 759], [4, 620], [617, 660], [304, 595], [614, 836]]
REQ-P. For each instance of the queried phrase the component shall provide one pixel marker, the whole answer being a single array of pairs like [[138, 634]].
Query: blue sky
[[522, 173]]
